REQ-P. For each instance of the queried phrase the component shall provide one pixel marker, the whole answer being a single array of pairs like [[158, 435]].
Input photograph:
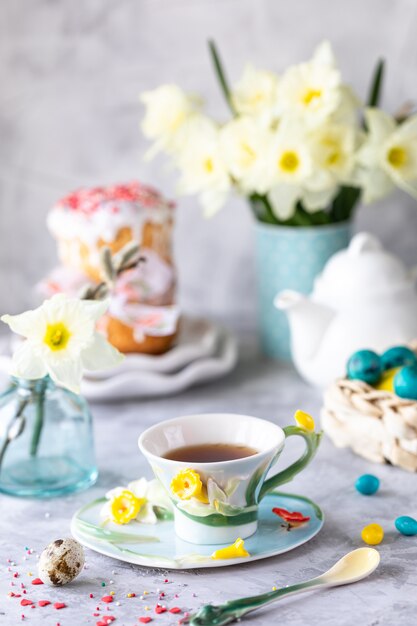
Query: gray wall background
[[70, 75]]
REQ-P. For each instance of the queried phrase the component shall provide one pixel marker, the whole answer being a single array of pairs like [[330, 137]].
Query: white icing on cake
[[101, 212]]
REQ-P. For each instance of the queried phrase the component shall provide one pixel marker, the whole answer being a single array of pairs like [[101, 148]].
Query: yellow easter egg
[[372, 534], [386, 382]]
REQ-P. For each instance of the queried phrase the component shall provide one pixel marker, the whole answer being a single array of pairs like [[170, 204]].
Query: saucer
[[158, 546]]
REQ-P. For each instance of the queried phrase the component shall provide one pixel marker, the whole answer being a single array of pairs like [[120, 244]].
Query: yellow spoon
[[354, 566]]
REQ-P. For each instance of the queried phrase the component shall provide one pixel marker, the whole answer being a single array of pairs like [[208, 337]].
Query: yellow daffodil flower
[[235, 551], [187, 484], [125, 506], [304, 420]]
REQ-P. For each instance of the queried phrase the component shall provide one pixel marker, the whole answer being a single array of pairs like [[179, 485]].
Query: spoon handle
[[212, 615]]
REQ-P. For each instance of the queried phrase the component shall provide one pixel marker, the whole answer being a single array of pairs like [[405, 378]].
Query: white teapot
[[364, 298]]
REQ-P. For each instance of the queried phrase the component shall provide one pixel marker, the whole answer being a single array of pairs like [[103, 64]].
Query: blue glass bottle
[[46, 440]]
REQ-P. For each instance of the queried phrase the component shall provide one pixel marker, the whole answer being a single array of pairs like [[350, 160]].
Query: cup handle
[[312, 440]]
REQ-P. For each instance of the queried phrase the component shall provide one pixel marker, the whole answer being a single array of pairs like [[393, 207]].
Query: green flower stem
[[221, 76], [39, 417]]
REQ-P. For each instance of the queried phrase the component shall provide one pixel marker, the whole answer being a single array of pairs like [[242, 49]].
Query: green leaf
[[221, 76], [376, 84], [344, 203]]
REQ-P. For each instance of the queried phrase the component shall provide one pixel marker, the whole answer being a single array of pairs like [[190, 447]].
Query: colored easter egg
[[372, 534], [364, 365], [398, 356], [386, 382], [406, 525], [405, 382], [367, 484]]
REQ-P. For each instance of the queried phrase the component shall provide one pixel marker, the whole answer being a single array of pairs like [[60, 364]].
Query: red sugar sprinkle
[[15, 575], [26, 602], [160, 609], [91, 595], [145, 620], [37, 581], [96, 614], [107, 599], [166, 580], [162, 595], [43, 602], [109, 618], [59, 605], [175, 609]]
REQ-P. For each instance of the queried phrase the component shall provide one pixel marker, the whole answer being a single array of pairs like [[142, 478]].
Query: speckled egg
[[406, 525], [364, 365], [398, 356], [61, 562], [367, 484], [405, 382]]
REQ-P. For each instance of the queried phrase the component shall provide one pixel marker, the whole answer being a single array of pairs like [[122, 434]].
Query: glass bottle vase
[[46, 440]]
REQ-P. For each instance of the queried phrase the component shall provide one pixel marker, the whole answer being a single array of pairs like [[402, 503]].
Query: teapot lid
[[363, 270]]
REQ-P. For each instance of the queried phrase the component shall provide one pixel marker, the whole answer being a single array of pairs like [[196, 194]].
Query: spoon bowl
[[352, 567]]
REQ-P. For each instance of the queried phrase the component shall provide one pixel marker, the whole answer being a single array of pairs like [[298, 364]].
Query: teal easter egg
[[367, 484], [364, 365], [406, 525], [405, 382], [397, 357]]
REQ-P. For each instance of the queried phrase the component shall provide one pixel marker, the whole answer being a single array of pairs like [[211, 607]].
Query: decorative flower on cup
[[187, 484], [143, 501], [61, 340], [304, 420]]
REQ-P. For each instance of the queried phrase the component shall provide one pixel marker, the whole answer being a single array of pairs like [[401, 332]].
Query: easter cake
[[142, 316], [373, 410], [87, 219]]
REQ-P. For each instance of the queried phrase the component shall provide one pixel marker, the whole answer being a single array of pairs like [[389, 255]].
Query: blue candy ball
[[364, 365], [406, 525], [367, 484], [405, 382], [397, 357]]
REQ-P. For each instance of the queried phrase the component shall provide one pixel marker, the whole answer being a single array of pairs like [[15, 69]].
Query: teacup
[[217, 502]]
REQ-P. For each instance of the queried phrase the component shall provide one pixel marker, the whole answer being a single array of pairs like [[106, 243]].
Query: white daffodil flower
[[244, 143], [333, 149], [388, 156], [61, 341], [167, 109], [145, 495], [311, 91], [289, 168], [255, 93], [203, 170]]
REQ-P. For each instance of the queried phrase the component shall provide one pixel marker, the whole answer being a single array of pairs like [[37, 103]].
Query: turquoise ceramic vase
[[290, 258]]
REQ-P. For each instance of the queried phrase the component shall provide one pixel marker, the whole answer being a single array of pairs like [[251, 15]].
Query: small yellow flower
[[187, 484], [125, 507], [304, 420], [235, 551]]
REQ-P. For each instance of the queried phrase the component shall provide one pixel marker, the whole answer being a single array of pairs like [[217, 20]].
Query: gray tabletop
[[256, 387]]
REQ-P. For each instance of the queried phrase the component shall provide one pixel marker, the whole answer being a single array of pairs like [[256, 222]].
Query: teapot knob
[[363, 242]]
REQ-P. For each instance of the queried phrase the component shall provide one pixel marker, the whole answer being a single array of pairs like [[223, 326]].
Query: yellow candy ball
[[304, 420], [372, 534]]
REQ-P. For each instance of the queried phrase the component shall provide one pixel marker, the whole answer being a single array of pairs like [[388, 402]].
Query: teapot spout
[[308, 322]]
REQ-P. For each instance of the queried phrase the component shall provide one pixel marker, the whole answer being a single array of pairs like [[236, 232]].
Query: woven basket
[[377, 425]]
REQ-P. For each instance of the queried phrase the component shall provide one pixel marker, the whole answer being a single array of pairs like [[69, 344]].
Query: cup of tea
[[215, 469]]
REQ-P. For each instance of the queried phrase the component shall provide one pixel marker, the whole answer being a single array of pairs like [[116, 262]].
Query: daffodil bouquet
[[301, 147]]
